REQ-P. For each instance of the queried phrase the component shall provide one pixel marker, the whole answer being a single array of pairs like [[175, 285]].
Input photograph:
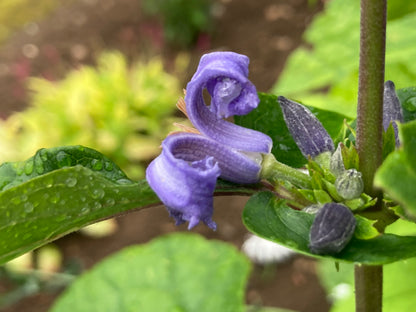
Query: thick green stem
[[369, 279]]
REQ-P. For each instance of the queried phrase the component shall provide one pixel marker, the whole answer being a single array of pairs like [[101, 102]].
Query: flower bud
[[336, 164], [307, 131], [392, 110], [350, 184], [332, 229]]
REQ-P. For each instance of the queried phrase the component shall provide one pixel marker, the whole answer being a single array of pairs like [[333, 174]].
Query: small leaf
[[270, 218], [407, 97], [178, 272], [365, 228], [268, 118]]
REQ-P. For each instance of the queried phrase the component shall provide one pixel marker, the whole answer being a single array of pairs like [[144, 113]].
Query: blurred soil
[[265, 30]]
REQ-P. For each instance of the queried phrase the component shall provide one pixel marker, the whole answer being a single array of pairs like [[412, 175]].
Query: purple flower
[[184, 175], [392, 110], [224, 76], [307, 131]]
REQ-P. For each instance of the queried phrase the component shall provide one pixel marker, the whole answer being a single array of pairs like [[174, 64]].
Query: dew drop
[[71, 182], [86, 209], [29, 167], [16, 200], [109, 202], [54, 198], [97, 205], [96, 164], [98, 193], [108, 166], [124, 181], [63, 159], [410, 104], [28, 207]]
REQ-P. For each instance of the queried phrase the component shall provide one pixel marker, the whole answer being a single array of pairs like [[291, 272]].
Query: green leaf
[[407, 97], [268, 118], [324, 72], [61, 190], [270, 218], [47, 160], [397, 174], [180, 272], [365, 228]]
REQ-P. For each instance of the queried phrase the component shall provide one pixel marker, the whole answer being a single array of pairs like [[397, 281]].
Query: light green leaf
[[365, 228], [180, 272], [325, 73], [397, 174], [270, 218]]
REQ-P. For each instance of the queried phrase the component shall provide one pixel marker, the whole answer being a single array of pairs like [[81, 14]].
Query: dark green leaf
[[270, 218], [180, 272], [268, 118], [47, 160], [61, 190]]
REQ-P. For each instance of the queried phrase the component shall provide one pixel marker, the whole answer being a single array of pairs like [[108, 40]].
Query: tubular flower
[[392, 110], [224, 75], [184, 175], [307, 131]]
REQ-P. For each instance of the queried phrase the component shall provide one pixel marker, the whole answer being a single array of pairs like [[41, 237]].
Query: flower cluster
[[184, 175]]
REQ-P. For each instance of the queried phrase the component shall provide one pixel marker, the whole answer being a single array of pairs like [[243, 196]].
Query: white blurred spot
[[30, 50], [31, 28], [340, 292], [262, 251], [79, 51]]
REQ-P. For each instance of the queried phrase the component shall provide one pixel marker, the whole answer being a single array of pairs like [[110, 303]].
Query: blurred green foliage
[[324, 74], [121, 111], [183, 20], [15, 13]]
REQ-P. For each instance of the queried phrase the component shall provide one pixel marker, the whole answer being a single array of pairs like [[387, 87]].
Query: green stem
[[276, 172], [368, 288], [369, 279]]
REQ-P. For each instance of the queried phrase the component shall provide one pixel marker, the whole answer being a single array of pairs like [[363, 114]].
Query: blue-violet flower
[[184, 175]]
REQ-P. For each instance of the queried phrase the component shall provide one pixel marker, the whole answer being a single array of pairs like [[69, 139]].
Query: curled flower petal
[[224, 75], [184, 175], [392, 110], [307, 131]]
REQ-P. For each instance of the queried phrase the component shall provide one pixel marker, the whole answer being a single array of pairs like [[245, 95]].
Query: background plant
[[183, 20], [124, 111]]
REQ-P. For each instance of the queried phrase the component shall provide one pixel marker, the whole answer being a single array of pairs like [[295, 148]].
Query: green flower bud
[[350, 184], [336, 164]]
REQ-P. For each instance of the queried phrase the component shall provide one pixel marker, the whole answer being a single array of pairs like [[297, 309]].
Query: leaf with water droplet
[[62, 200]]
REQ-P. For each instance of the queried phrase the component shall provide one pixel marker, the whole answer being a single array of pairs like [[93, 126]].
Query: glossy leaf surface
[[270, 218]]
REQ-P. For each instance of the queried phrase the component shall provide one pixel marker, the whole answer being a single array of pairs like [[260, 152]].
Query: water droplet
[[71, 182], [16, 200], [97, 205], [98, 193], [29, 167], [23, 197], [108, 166], [109, 202], [97, 164], [54, 198], [28, 207], [43, 155], [86, 209], [410, 104], [124, 181], [63, 159]]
